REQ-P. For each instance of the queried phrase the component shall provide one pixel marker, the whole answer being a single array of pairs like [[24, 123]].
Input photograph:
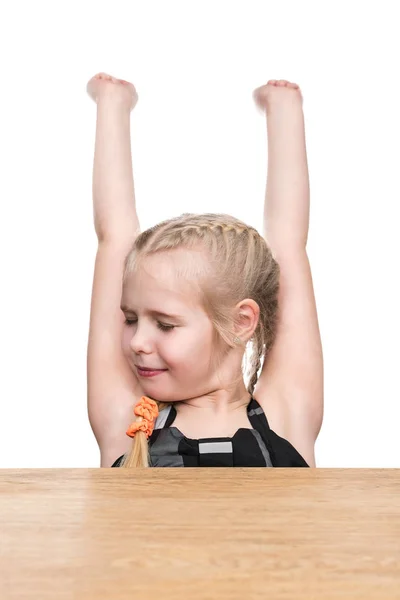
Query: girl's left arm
[[291, 382]]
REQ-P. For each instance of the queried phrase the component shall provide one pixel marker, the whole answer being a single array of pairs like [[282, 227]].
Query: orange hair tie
[[148, 410]]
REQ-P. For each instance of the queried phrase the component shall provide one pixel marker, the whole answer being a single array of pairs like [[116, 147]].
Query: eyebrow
[[153, 312]]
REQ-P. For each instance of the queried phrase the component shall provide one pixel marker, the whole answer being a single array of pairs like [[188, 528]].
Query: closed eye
[[165, 327], [159, 325]]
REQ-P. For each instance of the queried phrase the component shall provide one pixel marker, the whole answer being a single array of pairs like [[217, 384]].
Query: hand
[[276, 92], [103, 85]]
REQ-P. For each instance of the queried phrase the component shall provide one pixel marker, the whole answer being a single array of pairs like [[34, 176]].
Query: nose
[[140, 342]]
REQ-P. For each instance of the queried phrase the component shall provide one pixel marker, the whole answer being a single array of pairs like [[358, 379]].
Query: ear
[[247, 313]]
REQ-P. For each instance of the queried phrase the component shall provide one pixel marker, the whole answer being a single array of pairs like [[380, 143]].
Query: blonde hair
[[233, 262]]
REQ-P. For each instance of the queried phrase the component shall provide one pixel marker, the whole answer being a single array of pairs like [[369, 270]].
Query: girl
[[165, 380]]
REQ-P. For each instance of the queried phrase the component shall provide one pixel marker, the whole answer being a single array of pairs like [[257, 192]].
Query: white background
[[198, 145]]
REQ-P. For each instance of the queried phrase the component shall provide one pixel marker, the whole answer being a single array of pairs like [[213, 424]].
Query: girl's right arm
[[113, 389]]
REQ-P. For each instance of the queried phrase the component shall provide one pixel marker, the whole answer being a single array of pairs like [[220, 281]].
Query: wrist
[[288, 108], [115, 99]]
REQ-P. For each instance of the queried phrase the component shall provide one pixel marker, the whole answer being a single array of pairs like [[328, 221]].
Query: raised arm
[[287, 196], [112, 386], [114, 206], [291, 381]]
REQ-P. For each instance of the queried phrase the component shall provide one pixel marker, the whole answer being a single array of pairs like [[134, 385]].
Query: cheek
[[191, 351]]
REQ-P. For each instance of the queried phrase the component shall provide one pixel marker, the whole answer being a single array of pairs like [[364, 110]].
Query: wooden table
[[199, 534]]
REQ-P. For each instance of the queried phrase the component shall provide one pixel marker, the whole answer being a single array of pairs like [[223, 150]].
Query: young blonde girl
[[174, 309]]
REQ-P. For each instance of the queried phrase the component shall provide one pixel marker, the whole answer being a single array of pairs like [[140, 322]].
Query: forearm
[[114, 205], [287, 197]]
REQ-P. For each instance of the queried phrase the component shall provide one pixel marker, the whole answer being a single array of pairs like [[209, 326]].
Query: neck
[[216, 403]]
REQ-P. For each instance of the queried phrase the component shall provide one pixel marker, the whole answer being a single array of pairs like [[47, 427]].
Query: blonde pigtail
[[146, 411]]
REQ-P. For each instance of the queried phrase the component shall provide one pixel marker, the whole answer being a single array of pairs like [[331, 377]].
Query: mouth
[[149, 369], [147, 372]]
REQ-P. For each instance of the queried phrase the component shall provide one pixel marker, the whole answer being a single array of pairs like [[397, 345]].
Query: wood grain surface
[[200, 534]]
